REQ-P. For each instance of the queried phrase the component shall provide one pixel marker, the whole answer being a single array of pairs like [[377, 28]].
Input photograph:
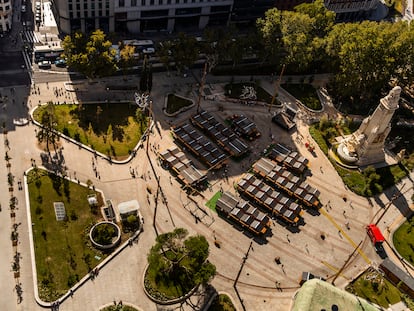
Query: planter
[[114, 241], [14, 242], [10, 189], [16, 274], [12, 214]]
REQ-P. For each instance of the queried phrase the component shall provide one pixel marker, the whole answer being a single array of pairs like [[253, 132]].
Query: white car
[[44, 64], [23, 8]]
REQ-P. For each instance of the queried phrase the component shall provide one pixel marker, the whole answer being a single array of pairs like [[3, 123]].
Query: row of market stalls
[[283, 179], [243, 213], [267, 197], [244, 127], [199, 145], [186, 172], [292, 160], [222, 135]]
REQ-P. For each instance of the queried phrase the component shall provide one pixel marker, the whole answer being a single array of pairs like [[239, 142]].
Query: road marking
[[365, 257], [334, 269]]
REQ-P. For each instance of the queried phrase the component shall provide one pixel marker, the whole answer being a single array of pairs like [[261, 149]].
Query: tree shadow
[[99, 116]]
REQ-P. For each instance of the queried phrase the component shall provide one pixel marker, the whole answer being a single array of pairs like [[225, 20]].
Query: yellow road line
[[334, 269], [365, 257]]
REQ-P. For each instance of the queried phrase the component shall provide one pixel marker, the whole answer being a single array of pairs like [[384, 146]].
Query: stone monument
[[366, 145]]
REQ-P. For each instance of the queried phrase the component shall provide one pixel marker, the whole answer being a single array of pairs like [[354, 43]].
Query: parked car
[[60, 63], [45, 64], [23, 8]]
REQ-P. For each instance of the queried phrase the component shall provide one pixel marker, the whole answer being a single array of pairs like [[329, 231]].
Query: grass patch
[[112, 129], [211, 204], [373, 287], [234, 90], [222, 303], [62, 249], [306, 93], [403, 240], [175, 103]]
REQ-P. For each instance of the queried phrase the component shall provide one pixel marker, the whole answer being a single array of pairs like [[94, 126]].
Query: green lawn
[[375, 288], [234, 90], [62, 248], [403, 240], [175, 103], [211, 204], [110, 128], [306, 93]]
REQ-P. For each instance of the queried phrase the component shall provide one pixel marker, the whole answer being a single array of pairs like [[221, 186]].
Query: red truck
[[376, 238]]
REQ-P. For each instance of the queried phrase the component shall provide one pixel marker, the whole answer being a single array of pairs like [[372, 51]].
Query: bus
[[45, 52], [141, 46]]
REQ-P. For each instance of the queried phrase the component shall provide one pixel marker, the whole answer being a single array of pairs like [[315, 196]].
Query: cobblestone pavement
[[121, 279]]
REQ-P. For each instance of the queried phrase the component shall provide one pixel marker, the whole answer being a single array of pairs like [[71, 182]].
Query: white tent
[[128, 208]]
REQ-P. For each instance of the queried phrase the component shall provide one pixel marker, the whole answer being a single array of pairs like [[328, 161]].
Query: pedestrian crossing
[[31, 36]]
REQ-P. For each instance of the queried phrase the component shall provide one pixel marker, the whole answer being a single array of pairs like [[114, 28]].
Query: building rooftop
[[317, 295]]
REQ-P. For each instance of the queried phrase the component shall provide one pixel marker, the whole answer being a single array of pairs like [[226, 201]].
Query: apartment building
[[137, 16], [6, 15]]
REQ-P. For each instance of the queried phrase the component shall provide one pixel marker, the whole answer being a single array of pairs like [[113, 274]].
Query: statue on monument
[[366, 145]]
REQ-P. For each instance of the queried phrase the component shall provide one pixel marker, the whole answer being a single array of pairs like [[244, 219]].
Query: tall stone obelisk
[[368, 141]]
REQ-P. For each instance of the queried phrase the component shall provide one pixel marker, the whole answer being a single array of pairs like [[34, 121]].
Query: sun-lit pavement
[[121, 279]]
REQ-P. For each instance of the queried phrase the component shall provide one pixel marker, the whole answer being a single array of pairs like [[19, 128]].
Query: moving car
[[60, 63], [44, 64]]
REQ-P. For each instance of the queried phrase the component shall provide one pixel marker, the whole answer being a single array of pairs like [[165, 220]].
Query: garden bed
[[176, 104], [234, 90], [375, 288], [306, 93]]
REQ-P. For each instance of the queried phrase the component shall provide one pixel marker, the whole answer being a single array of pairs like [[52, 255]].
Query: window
[[121, 3], [151, 2], [133, 2], [143, 2]]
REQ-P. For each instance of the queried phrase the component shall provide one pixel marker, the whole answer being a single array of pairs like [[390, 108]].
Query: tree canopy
[[91, 56], [364, 57], [181, 261]]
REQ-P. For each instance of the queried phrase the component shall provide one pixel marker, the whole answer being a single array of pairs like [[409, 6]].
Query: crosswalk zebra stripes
[[31, 36]]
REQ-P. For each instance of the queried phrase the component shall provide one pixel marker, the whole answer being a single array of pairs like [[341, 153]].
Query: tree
[[270, 30], [93, 58], [297, 39], [140, 117], [47, 132], [180, 261], [364, 56], [127, 57], [164, 52], [184, 52], [322, 19], [145, 83], [99, 111]]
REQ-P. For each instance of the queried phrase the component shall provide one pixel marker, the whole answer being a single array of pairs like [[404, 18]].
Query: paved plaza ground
[[121, 279]]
